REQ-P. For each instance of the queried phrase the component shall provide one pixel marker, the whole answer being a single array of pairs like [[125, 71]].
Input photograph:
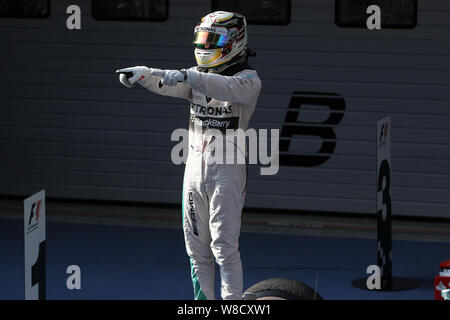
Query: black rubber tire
[[287, 289]]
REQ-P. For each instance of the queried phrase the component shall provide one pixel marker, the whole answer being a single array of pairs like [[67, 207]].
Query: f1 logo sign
[[384, 132], [35, 207], [293, 125]]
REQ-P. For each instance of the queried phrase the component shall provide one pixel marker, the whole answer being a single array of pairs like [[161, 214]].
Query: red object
[[442, 281], [37, 209], [445, 264]]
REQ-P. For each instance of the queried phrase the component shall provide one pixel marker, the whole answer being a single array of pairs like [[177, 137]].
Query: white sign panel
[[384, 203], [384, 166], [34, 240]]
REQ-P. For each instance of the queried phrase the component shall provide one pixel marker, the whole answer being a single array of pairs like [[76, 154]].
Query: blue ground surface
[[120, 262]]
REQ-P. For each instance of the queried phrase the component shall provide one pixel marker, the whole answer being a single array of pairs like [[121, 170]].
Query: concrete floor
[[123, 242], [254, 221]]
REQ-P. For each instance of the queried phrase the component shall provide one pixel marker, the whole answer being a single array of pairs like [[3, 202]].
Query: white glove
[[139, 73], [169, 77]]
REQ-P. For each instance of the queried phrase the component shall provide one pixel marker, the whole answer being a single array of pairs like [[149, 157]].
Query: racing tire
[[281, 289]]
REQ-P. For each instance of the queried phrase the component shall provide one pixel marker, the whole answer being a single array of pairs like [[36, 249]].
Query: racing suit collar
[[231, 68]]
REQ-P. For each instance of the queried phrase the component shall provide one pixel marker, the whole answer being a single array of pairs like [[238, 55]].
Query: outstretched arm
[[150, 79], [241, 88]]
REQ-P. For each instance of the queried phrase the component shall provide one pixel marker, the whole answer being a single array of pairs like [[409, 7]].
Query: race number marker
[[34, 240], [384, 204], [384, 220]]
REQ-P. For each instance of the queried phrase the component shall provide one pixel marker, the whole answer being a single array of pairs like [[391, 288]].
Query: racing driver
[[222, 90]]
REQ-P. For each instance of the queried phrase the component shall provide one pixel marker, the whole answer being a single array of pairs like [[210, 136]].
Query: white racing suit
[[213, 194]]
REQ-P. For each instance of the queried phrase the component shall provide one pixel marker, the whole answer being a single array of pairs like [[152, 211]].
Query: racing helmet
[[218, 38]]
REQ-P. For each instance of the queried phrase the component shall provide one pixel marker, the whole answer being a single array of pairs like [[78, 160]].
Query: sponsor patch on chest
[[215, 111]]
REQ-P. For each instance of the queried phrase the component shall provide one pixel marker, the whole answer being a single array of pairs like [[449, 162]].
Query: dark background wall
[[67, 125]]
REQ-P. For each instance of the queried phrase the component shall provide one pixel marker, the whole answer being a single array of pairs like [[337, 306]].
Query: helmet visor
[[213, 40], [212, 37]]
